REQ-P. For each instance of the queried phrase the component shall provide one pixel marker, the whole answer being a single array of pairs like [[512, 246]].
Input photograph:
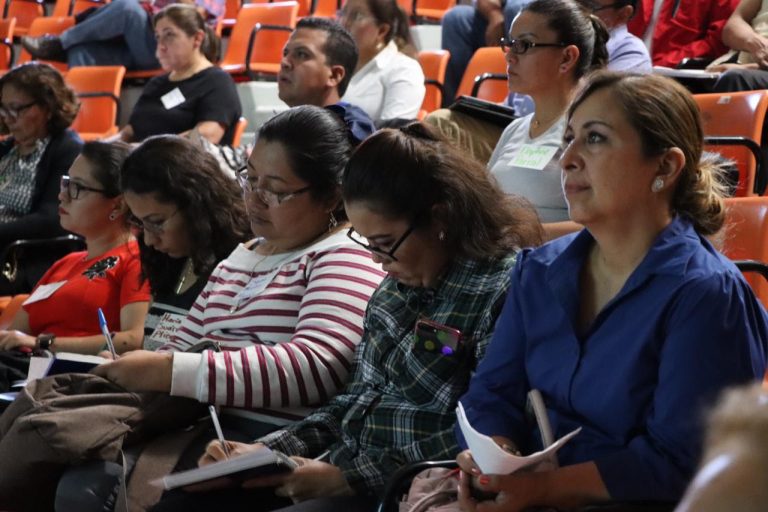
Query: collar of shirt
[[383, 58]]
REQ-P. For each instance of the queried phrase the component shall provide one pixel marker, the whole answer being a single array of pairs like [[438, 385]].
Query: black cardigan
[[43, 219]]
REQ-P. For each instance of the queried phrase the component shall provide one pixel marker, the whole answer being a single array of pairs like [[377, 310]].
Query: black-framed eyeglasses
[[73, 188], [15, 112], [386, 253], [152, 227], [520, 46], [268, 197]]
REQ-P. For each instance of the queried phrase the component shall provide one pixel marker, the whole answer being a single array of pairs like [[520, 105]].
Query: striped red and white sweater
[[288, 325]]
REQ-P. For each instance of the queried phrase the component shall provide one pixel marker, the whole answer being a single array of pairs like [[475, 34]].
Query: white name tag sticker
[[172, 99], [43, 292], [533, 157]]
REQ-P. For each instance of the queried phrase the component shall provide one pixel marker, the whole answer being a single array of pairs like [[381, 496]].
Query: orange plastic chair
[[25, 11], [434, 64], [737, 114], [242, 123], [74, 7], [10, 310], [98, 89], [257, 39], [489, 59], [746, 237], [43, 26], [325, 8], [7, 52], [433, 10], [231, 8]]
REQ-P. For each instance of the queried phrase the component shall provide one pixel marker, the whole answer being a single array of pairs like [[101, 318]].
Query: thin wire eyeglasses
[[390, 253], [268, 197], [73, 188], [15, 112], [520, 46], [152, 227]]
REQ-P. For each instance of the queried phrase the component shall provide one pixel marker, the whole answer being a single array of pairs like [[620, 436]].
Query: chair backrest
[[434, 64], [489, 59], [25, 11], [735, 114], [43, 26], [6, 40], [326, 8], [74, 7], [11, 308], [237, 136], [746, 236], [432, 9], [231, 8], [98, 89], [267, 46]]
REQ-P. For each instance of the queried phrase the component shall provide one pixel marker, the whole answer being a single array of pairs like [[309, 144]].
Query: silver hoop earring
[[332, 222], [441, 236], [113, 216], [657, 185]]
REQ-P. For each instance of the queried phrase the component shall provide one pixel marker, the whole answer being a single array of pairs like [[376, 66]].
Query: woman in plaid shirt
[[446, 235]]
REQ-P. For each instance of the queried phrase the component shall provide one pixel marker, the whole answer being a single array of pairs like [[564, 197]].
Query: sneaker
[[44, 47]]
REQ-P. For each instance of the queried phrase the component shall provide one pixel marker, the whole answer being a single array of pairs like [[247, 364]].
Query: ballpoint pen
[[217, 426], [105, 332]]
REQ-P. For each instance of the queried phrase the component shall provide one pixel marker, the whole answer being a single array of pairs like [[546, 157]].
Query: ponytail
[[211, 45], [599, 49]]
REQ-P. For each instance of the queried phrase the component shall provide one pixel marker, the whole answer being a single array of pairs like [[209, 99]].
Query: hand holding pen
[[107, 336]]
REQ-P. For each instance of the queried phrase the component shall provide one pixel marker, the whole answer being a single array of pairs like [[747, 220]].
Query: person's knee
[[457, 20]]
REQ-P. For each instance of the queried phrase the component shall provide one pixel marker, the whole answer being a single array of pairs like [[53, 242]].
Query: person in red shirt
[[60, 314], [683, 28]]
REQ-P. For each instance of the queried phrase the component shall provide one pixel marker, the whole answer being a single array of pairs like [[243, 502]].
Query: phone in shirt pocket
[[437, 338]]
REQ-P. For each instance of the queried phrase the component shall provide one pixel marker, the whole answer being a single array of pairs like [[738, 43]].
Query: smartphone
[[435, 337]]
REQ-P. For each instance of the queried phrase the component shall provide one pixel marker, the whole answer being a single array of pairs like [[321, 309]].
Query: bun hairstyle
[[665, 116], [187, 18], [389, 12], [574, 26], [408, 172]]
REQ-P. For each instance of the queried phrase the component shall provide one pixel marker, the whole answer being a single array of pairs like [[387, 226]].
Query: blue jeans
[[119, 33], [463, 33]]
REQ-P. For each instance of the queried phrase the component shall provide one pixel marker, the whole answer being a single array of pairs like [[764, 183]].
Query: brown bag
[[68, 419]]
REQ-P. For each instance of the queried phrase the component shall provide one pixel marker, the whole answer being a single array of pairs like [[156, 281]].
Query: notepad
[[261, 462], [62, 362]]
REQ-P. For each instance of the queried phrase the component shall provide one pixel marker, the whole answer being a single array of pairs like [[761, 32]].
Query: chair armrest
[[761, 179], [12, 51], [482, 78], [252, 42], [753, 266], [103, 94]]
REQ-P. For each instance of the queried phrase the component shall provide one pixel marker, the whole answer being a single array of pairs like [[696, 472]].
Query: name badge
[[172, 99], [533, 157], [254, 287], [43, 291]]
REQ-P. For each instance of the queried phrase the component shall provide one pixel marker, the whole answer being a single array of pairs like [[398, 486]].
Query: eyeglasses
[[519, 46], [390, 253], [73, 188], [272, 199], [15, 112], [148, 226]]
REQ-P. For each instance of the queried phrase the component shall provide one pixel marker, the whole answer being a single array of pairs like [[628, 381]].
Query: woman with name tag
[[187, 216], [194, 94], [552, 44], [628, 328], [60, 314], [446, 234]]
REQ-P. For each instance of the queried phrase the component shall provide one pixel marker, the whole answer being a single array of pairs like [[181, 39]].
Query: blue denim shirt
[[684, 326]]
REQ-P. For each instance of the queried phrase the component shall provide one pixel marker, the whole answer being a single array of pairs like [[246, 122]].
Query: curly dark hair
[[45, 85], [406, 172], [176, 171]]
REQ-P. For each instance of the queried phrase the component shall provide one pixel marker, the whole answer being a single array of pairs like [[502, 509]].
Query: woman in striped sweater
[[287, 308]]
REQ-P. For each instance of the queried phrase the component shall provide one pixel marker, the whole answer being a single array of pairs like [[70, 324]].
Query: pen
[[105, 332], [217, 426], [323, 455]]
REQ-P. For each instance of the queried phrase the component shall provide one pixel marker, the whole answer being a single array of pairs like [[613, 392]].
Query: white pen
[[323, 455], [105, 332], [217, 426]]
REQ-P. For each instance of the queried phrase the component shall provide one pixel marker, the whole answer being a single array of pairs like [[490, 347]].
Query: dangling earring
[[441, 236], [113, 215], [332, 222], [658, 184]]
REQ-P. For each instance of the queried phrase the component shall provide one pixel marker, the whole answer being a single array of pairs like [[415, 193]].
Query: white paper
[[172, 99], [492, 459], [43, 291]]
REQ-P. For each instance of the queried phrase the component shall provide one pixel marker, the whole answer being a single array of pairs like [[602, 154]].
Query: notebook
[[493, 113]]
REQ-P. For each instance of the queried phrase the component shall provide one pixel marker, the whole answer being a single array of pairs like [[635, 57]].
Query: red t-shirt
[[109, 281]]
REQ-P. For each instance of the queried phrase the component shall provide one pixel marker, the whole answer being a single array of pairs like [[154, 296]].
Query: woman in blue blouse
[[627, 328]]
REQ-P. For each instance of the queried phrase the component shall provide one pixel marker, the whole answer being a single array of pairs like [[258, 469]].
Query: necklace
[[186, 272]]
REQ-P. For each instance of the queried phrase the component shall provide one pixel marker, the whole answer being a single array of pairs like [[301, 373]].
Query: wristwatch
[[45, 341]]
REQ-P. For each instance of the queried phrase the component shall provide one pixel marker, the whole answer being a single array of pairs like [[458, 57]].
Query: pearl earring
[[113, 216], [658, 184], [441, 236]]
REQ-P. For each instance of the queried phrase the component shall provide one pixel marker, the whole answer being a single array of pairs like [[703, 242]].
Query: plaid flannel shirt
[[399, 405]]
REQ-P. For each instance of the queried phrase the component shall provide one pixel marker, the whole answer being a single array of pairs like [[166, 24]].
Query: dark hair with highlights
[[318, 147], [665, 115], [174, 170], [106, 159], [389, 12], [45, 85], [574, 26], [406, 172]]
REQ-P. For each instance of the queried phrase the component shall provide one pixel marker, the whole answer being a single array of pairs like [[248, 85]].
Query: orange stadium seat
[[25, 11], [7, 52], [434, 64], [98, 89], [489, 59], [746, 237], [43, 26]]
